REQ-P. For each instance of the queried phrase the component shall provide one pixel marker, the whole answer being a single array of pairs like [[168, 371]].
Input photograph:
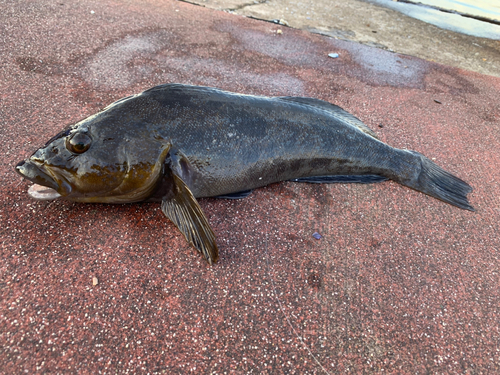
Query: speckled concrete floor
[[399, 282]]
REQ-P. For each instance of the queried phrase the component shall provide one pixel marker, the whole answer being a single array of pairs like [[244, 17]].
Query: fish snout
[[25, 169], [32, 172], [19, 167]]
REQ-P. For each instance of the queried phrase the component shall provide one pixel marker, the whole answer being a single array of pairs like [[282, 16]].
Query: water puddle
[[479, 18]]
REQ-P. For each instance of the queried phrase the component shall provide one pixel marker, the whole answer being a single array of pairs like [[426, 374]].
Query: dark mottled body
[[237, 142], [174, 143]]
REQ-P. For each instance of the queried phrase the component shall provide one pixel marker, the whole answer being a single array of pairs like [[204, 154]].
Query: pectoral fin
[[181, 207]]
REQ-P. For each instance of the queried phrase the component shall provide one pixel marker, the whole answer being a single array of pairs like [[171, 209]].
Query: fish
[[176, 143]]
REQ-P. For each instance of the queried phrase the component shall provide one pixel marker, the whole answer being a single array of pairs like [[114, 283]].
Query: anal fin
[[237, 195], [342, 179]]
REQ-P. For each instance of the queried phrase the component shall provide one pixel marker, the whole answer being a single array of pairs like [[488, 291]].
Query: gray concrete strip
[[376, 26]]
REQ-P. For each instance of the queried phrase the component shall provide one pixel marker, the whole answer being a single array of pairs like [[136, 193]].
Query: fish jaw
[[42, 193], [46, 187]]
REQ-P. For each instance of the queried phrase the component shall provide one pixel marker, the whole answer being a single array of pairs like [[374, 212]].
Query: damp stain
[[384, 68], [221, 73], [39, 65], [314, 280], [291, 50], [125, 61], [150, 57]]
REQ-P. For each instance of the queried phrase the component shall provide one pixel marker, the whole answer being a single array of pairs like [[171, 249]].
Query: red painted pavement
[[399, 282]]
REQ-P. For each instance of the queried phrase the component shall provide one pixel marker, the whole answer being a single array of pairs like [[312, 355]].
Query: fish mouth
[[46, 186]]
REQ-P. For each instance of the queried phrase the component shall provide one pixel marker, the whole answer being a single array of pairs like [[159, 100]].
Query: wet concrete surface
[[399, 282]]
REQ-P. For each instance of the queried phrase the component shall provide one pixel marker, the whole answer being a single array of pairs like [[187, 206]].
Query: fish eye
[[78, 143]]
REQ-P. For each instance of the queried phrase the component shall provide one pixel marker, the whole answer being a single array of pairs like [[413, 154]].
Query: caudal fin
[[436, 182]]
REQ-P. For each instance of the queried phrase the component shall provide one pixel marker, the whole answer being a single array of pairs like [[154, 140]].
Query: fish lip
[[41, 174]]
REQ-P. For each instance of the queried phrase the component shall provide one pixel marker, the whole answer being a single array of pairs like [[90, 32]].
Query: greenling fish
[[174, 143]]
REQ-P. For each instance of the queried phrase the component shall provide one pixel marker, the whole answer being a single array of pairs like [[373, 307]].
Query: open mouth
[[45, 186]]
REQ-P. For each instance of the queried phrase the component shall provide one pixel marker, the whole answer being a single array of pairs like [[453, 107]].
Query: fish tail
[[436, 182]]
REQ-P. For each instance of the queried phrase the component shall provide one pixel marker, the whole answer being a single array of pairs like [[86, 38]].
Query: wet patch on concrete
[[220, 73], [383, 68], [376, 67], [295, 49], [125, 61], [135, 58], [39, 65]]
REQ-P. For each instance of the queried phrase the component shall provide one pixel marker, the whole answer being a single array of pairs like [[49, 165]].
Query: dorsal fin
[[335, 110]]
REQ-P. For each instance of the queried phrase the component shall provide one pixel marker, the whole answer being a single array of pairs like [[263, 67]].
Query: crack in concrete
[[242, 6], [192, 3], [231, 9]]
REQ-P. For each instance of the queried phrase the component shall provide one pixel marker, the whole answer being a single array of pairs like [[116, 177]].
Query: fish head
[[96, 161]]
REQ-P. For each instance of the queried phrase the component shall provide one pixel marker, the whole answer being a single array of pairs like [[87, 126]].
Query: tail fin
[[436, 182]]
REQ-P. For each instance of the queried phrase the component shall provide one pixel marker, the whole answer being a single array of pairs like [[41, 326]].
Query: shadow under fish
[[174, 143]]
